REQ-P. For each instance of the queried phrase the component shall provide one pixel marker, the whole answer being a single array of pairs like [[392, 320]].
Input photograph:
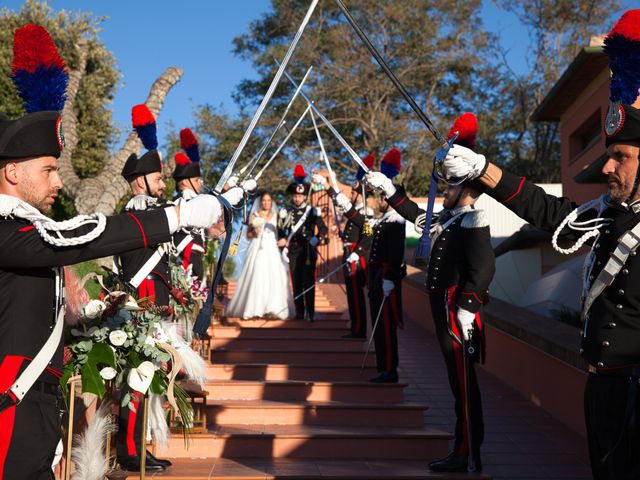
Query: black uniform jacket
[[306, 231], [461, 255], [132, 261], [27, 281], [387, 247], [611, 335]]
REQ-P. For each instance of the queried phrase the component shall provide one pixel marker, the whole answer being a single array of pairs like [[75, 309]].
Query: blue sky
[[148, 36]]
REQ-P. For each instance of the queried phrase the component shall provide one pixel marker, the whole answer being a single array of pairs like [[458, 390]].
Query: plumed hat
[[144, 123], [299, 185], [391, 163], [622, 45], [466, 126], [41, 78], [187, 166], [370, 162]]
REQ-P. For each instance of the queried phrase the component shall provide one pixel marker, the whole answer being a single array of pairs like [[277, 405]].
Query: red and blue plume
[[189, 144], [145, 125], [369, 161], [38, 71], [391, 163], [622, 45], [299, 174], [466, 125], [181, 159]]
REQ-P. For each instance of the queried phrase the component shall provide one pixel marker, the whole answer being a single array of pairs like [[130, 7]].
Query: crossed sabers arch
[[311, 107]]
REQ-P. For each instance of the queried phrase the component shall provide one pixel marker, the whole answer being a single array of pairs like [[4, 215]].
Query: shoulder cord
[[591, 227]]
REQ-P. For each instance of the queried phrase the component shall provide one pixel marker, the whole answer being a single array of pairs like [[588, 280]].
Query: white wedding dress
[[263, 287]]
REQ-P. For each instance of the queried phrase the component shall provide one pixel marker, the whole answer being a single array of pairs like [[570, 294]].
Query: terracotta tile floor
[[522, 441]]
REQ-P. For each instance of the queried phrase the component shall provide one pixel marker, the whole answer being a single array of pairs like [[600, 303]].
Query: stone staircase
[[288, 399]]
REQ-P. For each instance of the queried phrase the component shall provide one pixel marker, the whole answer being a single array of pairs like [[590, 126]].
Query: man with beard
[[300, 231], [611, 296], [34, 249], [147, 270], [460, 269], [386, 271], [188, 178]]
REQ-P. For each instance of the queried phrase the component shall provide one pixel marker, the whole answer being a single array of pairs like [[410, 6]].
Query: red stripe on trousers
[[356, 299], [8, 373], [459, 359], [387, 336], [131, 423]]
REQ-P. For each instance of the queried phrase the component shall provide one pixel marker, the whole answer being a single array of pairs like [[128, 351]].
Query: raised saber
[[344, 143], [385, 67], [274, 83], [334, 182], [256, 159], [284, 142]]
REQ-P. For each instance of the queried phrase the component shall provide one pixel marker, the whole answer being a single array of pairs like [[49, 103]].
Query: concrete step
[[288, 343], [265, 412], [299, 357], [264, 371], [303, 469], [301, 391], [296, 441], [300, 332], [330, 323]]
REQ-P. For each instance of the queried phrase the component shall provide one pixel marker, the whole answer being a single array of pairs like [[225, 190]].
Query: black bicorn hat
[[187, 166], [144, 124], [299, 185], [41, 78]]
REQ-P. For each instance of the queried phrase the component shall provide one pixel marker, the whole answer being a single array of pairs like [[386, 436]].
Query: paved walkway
[[522, 441]]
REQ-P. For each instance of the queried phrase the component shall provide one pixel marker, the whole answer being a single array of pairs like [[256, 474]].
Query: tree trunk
[[103, 192]]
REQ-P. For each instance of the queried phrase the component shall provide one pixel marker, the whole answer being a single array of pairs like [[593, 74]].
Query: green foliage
[[95, 127], [99, 356]]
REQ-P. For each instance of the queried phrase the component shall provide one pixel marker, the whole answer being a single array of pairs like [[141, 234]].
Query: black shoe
[[385, 377], [309, 318], [162, 461], [455, 463], [132, 464]]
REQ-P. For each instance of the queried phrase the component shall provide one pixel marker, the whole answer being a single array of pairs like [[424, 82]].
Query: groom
[[300, 231]]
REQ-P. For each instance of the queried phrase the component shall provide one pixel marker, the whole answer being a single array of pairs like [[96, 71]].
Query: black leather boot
[[385, 377], [455, 463], [161, 461], [132, 464]]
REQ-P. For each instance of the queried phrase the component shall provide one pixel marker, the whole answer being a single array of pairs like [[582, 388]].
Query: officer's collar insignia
[[615, 119]]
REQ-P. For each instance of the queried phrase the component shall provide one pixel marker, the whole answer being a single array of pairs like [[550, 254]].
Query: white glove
[[467, 321], [201, 212], [234, 195], [379, 181], [249, 185], [343, 202], [462, 162], [319, 180], [285, 255], [387, 287], [233, 181], [313, 241], [353, 258]]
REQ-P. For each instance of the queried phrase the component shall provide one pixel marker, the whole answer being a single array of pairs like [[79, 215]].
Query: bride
[[263, 288]]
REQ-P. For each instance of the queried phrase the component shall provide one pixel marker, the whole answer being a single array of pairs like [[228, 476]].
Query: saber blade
[[265, 100], [324, 155], [385, 67], [324, 119]]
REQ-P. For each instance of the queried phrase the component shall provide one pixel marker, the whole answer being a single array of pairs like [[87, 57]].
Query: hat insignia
[[615, 119]]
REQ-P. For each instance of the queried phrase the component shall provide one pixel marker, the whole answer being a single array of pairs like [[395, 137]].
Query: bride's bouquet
[[257, 222]]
